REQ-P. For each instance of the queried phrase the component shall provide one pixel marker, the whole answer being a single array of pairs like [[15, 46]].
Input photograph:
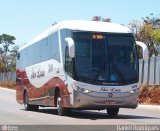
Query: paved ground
[[11, 113]]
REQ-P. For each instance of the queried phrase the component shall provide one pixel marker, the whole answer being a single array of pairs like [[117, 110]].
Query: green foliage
[[148, 32], [6, 41], [156, 36], [7, 54]]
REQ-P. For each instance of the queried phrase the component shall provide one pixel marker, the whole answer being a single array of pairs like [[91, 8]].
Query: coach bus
[[84, 65]]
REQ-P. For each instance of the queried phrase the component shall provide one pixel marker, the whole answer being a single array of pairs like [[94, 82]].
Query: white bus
[[79, 65]]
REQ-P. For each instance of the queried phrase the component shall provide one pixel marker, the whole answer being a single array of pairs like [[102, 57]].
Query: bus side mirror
[[71, 47], [18, 56], [144, 48]]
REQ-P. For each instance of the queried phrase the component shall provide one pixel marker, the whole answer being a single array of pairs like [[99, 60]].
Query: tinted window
[[45, 49], [68, 63], [64, 33], [54, 47], [103, 57]]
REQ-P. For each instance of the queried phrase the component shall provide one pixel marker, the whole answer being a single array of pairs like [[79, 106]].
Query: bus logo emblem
[[110, 94]]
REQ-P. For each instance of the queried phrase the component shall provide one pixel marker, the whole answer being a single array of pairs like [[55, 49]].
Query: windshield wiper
[[115, 67], [98, 73]]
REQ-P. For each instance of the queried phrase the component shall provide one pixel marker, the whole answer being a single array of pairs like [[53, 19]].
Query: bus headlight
[[133, 91], [83, 90]]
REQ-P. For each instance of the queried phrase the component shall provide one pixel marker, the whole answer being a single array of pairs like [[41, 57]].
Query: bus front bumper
[[104, 100]]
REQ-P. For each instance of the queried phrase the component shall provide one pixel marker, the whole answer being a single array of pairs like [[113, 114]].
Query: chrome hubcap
[[58, 102]]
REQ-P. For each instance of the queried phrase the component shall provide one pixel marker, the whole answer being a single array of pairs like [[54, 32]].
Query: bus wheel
[[112, 112], [60, 109], [27, 106]]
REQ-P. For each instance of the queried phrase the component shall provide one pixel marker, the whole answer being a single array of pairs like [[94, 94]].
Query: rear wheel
[[28, 106], [112, 112]]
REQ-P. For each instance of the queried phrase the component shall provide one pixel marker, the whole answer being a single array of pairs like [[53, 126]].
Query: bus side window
[[68, 63]]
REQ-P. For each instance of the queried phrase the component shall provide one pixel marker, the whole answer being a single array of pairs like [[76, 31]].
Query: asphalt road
[[12, 113]]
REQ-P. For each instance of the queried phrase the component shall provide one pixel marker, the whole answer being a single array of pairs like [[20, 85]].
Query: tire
[[27, 106], [60, 109], [112, 112]]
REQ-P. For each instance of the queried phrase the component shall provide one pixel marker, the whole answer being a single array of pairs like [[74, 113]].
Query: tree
[[6, 41], [146, 37], [12, 59], [147, 32], [135, 27], [156, 35], [153, 23]]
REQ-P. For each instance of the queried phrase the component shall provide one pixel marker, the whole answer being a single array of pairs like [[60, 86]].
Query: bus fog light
[[83, 90], [75, 87], [77, 100], [132, 92]]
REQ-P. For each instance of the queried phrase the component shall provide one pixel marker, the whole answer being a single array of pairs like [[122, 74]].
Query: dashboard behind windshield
[[105, 58]]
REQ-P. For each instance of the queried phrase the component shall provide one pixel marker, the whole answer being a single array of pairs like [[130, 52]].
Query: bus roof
[[81, 25]]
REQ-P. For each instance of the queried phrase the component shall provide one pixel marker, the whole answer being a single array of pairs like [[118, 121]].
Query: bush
[[149, 94]]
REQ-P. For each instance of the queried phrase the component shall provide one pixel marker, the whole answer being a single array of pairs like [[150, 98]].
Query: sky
[[25, 19]]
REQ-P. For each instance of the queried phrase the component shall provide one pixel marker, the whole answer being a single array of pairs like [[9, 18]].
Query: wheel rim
[[26, 101], [59, 105]]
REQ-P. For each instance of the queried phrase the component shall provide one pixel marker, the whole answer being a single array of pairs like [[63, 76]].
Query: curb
[[149, 106]]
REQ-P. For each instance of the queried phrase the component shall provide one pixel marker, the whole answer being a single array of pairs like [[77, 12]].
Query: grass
[[8, 84]]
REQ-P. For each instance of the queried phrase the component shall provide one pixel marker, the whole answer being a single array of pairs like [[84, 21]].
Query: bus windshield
[[102, 58]]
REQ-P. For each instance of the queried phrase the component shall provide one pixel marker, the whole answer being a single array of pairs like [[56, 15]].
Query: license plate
[[110, 102]]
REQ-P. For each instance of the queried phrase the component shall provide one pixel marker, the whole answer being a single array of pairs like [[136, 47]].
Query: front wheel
[[27, 106], [112, 112], [60, 109]]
